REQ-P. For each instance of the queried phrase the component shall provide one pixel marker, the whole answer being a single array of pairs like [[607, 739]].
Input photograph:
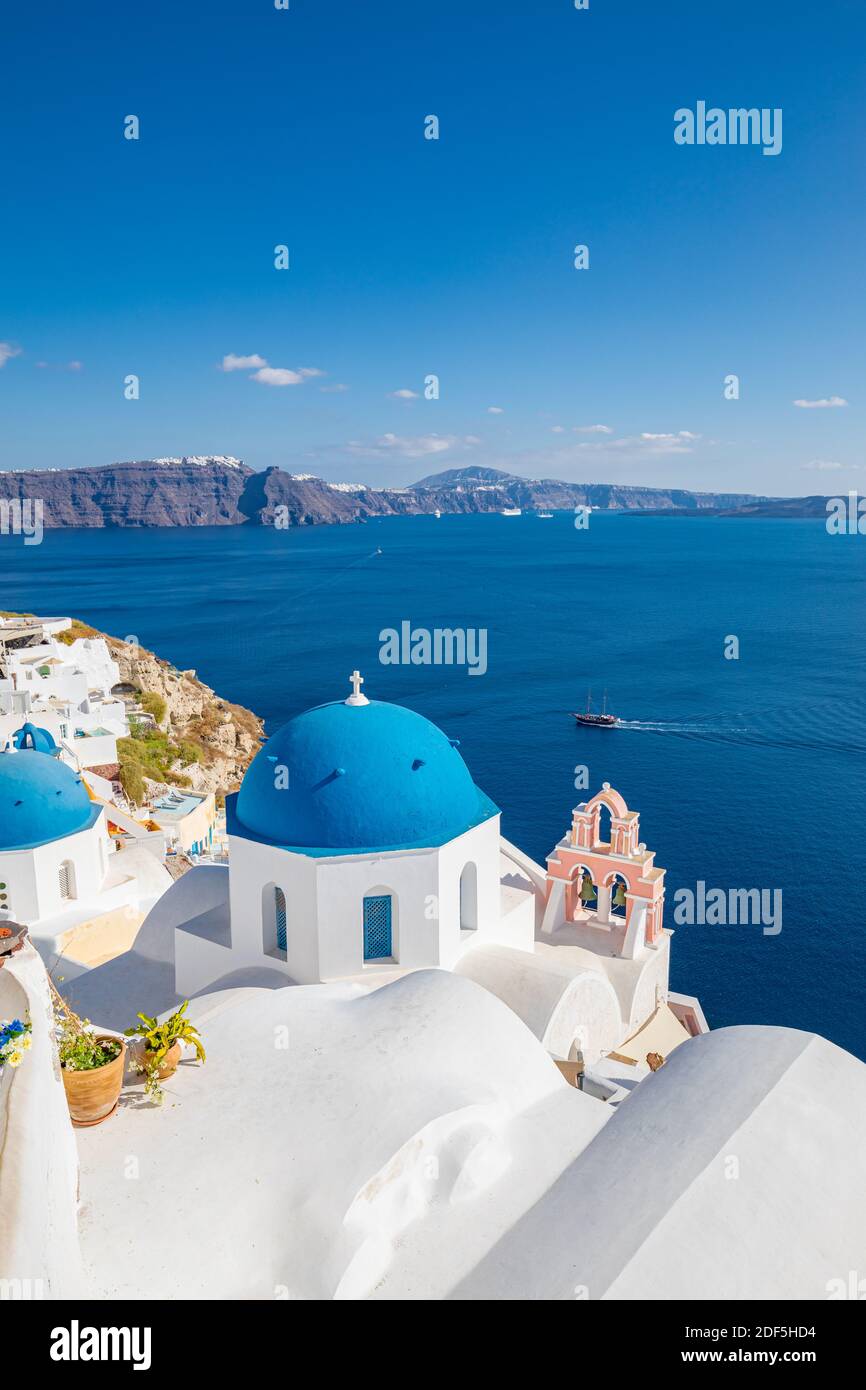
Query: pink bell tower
[[589, 881]]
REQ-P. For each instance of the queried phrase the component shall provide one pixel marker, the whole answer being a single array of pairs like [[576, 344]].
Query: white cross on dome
[[356, 698]]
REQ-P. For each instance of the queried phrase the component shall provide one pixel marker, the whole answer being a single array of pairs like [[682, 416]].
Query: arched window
[[66, 877], [618, 888], [469, 898], [274, 921], [583, 895], [280, 911], [605, 829], [378, 927]]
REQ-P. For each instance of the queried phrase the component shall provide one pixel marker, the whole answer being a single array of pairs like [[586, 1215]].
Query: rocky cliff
[[155, 492], [223, 491], [201, 740]]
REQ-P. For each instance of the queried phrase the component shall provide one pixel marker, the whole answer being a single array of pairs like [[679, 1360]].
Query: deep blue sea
[[747, 773]]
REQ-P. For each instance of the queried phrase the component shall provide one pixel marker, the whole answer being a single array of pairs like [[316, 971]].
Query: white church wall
[[478, 850], [412, 879], [89, 866], [198, 962], [651, 981], [33, 875], [325, 905], [18, 873], [257, 869], [638, 982]]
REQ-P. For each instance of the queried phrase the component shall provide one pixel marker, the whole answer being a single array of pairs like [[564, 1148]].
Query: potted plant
[[162, 1047], [91, 1065]]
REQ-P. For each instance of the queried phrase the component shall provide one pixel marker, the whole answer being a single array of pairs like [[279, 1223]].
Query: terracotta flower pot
[[168, 1065], [92, 1095]]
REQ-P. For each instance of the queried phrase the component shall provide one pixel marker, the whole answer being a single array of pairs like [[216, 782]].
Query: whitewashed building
[[64, 688]]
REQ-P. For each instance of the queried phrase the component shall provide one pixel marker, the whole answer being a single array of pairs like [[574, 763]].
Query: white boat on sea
[[512, 511]]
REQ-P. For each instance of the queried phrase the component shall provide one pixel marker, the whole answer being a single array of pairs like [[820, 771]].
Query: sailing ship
[[598, 721]]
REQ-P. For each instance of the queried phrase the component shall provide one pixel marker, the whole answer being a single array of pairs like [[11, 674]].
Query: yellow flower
[[26, 1043], [15, 1059]]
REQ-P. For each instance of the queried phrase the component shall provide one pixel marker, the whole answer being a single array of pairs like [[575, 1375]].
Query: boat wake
[[773, 728]]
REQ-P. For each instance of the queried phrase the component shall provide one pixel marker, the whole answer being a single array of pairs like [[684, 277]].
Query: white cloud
[[495, 410], [557, 429], [8, 350], [593, 429], [277, 376], [333, 389], [410, 446], [679, 443], [826, 403], [404, 394], [822, 466], [268, 376], [73, 366], [232, 363]]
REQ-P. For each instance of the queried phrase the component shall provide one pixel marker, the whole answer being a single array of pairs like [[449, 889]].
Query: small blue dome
[[41, 799], [360, 778], [31, 736]]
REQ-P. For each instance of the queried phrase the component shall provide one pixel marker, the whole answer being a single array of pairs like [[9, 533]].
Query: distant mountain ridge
[[220, 490]]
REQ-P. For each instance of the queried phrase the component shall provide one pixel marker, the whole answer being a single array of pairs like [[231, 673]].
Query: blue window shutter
[[377, 928], [280, 907]]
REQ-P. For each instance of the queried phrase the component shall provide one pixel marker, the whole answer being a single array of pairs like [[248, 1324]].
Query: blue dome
[[41, 799], [30, 736], [360, 778]]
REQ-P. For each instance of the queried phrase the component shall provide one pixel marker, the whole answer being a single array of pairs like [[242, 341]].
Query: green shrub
[[132, 781], [154, 704]]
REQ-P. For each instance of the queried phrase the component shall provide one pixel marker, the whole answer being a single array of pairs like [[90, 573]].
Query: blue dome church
[[54, 844], [81, 893], [359, 842]]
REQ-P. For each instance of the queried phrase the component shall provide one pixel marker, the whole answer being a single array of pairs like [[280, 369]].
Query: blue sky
[[454, 257]]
